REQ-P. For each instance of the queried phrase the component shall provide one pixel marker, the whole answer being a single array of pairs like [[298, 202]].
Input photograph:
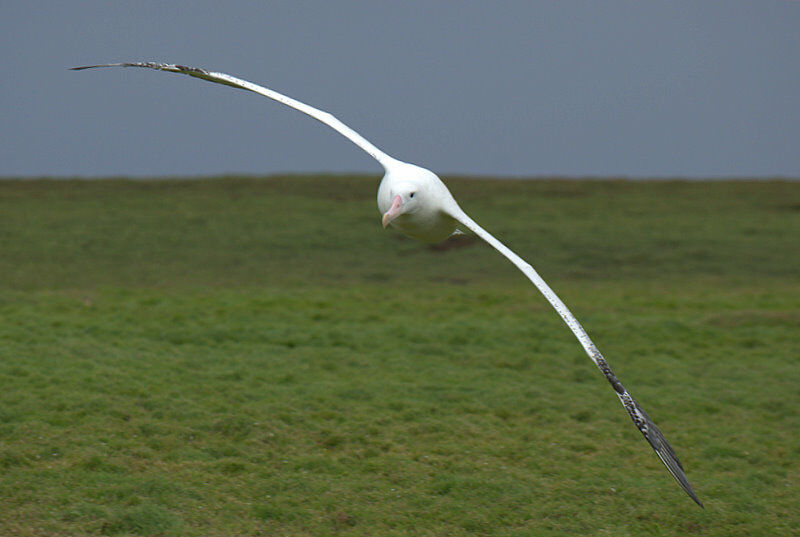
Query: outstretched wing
[[221, 78], [638, 415]]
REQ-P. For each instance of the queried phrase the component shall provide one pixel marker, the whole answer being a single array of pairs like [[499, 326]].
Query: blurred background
[[579, 88]]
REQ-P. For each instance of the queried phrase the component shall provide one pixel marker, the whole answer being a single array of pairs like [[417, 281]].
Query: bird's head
[[416, 203], [405, 198]]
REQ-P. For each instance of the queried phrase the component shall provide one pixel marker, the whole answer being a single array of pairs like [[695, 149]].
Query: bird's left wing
[[640, 418], [221, 78]]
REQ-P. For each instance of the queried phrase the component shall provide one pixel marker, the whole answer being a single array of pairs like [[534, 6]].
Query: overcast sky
[[530, 88]]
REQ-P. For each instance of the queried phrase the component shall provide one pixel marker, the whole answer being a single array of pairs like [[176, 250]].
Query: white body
[[427, 222]]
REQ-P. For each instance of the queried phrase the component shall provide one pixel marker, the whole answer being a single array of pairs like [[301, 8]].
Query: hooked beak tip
[[394, 211]]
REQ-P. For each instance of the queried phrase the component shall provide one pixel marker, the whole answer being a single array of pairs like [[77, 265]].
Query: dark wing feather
[[665, 452]]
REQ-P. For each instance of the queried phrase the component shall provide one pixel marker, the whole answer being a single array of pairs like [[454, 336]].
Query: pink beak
[[394, 211]]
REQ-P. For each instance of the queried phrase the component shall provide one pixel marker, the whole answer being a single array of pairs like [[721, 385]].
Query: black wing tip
[[85, 67], [99, 65], [667, 455], [680, 477], [692, 495], [687, 488], [159, 66]]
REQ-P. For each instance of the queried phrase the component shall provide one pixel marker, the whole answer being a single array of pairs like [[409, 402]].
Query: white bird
[[416, 202]]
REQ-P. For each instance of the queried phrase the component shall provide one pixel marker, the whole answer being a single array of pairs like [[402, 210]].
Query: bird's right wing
[[221, 78], [640, 418]]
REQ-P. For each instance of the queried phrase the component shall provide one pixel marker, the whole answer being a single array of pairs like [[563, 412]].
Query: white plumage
[[417, 203]]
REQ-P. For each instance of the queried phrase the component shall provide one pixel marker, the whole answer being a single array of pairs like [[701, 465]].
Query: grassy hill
[[243, 356]]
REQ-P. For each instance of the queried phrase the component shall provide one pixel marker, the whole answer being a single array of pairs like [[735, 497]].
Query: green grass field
[[258, 357]]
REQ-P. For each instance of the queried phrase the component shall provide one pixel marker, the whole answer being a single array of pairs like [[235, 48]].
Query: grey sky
[[637, 88]]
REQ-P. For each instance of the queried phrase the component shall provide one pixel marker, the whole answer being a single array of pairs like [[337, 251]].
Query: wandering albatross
[[416, 202]]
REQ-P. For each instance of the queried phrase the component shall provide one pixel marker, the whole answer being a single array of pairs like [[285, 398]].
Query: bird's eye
[[411, 195]]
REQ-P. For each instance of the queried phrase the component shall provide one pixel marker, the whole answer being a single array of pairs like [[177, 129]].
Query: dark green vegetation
[[259, 357]]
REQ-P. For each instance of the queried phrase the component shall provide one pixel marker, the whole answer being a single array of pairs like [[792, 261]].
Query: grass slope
[[259, 357]]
